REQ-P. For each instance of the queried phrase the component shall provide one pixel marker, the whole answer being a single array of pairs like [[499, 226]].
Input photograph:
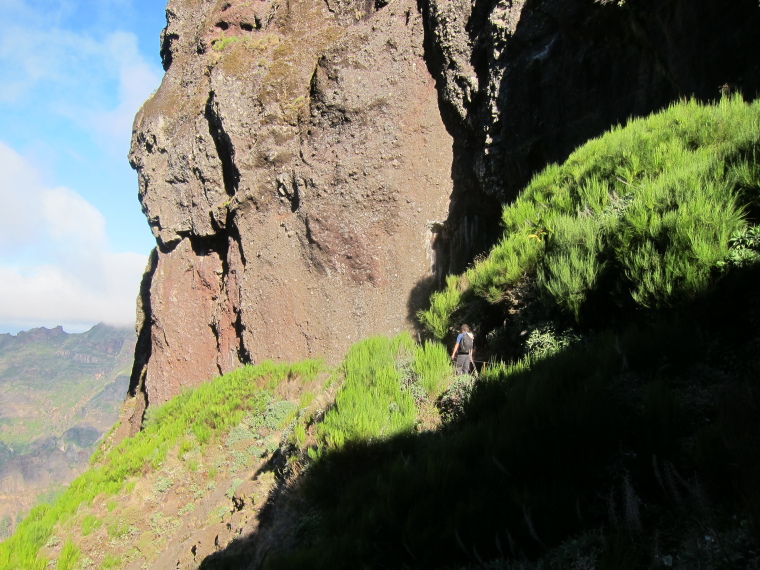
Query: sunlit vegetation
[[199, 416], [377, 397], [625, 436], [641, 217]]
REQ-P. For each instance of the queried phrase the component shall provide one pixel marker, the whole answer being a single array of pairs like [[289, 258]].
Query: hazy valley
[[59, 393]]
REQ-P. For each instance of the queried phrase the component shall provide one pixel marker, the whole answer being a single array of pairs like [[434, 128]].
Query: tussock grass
[[432, 367]]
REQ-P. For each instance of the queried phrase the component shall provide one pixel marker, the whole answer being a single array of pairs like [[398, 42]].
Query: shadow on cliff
[[567, 72], [634, 442], [573, 70], [641, 439], [143, 346]]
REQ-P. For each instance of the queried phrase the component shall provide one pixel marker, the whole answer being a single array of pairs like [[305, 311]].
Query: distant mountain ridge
[[59, 393]]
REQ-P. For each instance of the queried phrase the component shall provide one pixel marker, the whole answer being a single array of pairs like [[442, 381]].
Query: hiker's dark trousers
[[463, 363]]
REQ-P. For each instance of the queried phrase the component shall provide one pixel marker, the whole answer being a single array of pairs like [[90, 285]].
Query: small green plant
[[110, 561], [240, 461], [744, 248], [223, 42], [164, 484], [188, 508], [90, 523], [69, 556], [299, 433], [117, 528], [235, 484], [185, 446], [306, 399], [218, 514], [545, 340]]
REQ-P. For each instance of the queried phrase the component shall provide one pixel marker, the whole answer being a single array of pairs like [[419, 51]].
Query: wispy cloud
[[98, 81], [136, 80], [57, 266], [72, 77]]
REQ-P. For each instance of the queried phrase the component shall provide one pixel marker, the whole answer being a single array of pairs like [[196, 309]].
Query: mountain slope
[[60, 393], [624, 436], [321, 166]]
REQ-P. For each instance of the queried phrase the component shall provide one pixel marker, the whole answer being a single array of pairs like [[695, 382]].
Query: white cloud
[[57, 266], [98, 83], [137, 80], [17, 214]]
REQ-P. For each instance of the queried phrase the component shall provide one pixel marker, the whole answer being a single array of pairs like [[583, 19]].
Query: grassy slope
[[629, 443], [196, 450], [208, 437]]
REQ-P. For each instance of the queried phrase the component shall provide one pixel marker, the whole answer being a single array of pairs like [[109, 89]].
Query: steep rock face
[[524, 82], [294, 169], [310, 169]]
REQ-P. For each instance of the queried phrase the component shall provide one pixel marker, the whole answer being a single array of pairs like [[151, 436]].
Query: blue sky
[[73, 241]]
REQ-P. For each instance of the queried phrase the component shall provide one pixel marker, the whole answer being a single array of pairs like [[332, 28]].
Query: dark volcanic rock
[[523, 83], [311, 169]]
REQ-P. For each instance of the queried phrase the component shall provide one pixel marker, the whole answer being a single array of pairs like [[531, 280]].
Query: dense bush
[[643, 216], [377, 396]]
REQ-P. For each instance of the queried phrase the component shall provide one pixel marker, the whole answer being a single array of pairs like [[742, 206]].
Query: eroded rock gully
[[310, 169]]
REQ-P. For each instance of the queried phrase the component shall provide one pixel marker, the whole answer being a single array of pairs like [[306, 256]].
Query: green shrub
[[545, 340], [370, 404], [90, 523], [645, 213], [223, 41], [110, 561], [117, 528], [431, 367], [69, 556], [744, 248], [443, 304]]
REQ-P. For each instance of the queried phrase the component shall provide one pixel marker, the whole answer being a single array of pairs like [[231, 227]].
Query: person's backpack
[[465, 345]]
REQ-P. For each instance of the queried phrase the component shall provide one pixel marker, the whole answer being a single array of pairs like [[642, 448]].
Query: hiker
[[463, 351]]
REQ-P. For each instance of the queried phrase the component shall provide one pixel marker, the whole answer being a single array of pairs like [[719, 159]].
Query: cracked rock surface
[[293, 167]]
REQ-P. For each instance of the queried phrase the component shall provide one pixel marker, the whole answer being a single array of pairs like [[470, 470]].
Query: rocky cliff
[[311, 169]]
